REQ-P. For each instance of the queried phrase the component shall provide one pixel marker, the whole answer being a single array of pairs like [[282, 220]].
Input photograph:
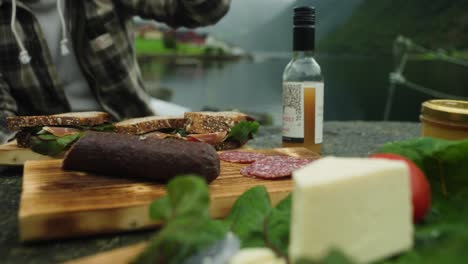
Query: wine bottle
[[303, 87]]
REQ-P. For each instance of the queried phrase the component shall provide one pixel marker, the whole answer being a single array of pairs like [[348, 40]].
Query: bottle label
[[302, 111]]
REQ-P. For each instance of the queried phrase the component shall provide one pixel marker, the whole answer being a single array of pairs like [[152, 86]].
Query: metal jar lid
[[446, 110]]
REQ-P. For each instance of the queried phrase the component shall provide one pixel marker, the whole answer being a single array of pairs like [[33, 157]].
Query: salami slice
[[274, 167], [246, 171], [241, 156]]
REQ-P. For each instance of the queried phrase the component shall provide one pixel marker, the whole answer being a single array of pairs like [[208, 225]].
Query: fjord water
[[356, 88]]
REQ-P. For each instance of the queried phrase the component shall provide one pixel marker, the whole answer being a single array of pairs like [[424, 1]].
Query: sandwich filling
[[237, 135], [51, 135], [53, 140]]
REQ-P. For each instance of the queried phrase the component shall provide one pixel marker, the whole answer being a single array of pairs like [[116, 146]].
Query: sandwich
[[223, 130], [158, 127], [53, 134]]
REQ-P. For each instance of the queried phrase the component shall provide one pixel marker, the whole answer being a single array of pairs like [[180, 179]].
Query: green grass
[[156, 47], [376, 23]]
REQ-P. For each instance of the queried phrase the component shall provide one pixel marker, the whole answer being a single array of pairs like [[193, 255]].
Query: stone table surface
[[354, 138]]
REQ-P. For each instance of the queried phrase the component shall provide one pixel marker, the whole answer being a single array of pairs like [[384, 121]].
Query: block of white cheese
[[256, 256], [359, 206]]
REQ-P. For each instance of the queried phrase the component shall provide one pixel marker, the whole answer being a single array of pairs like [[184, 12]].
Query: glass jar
[[446, 119]]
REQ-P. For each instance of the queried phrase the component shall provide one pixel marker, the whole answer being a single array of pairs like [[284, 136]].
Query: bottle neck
[[303, 54], [304, 38]]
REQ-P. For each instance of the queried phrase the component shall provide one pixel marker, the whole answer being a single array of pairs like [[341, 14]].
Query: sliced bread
[[16, 123], [138, 126], [210, 122]]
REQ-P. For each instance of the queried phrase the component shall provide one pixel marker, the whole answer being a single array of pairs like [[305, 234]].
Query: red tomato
[[420, 189]]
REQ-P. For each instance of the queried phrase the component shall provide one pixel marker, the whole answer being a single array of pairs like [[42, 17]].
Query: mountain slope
[[375, 24]]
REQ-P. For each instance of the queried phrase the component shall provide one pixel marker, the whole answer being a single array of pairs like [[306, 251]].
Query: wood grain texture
[[118, 256], [12, 155], [58, 204]]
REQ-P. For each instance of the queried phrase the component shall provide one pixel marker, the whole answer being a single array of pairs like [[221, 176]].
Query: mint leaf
[[181, 238], [68, 140], [248, 215], [243, 131], [285, 204], [46, 147], [277, 226], [188, 228], [160, 209], [186, 196], [444, 162], [257, 224], [50, 145]]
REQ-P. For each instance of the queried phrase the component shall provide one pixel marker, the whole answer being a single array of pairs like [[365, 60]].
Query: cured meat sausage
[[122, 155], [241, 156], [274, 167]]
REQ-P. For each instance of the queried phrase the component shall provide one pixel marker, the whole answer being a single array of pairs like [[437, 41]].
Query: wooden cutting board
[[122, 255], [59, 204], [11, 155]]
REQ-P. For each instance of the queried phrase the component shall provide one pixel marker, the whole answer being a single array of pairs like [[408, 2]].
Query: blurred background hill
[[375, 24]]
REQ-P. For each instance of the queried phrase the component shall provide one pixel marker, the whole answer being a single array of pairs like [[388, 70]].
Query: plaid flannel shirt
[[103, 42]]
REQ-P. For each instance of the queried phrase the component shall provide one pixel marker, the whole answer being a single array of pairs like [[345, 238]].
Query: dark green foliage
[[50, 145], [170, 41], [375, 25], [243, 131]]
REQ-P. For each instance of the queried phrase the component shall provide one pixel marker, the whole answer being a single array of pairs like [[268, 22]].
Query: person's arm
[[177, 13], [8, 107]]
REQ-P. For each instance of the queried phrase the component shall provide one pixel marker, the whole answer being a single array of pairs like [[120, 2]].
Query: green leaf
[[444, 162], [182, 132], [68, 140], [50, 145], [285, 204], [243, 131], [181, 238], [277, 226], [248, 215], [47, 137], [46, 147], [188, 227], [257, 224], [160, 209], [186, 196]]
